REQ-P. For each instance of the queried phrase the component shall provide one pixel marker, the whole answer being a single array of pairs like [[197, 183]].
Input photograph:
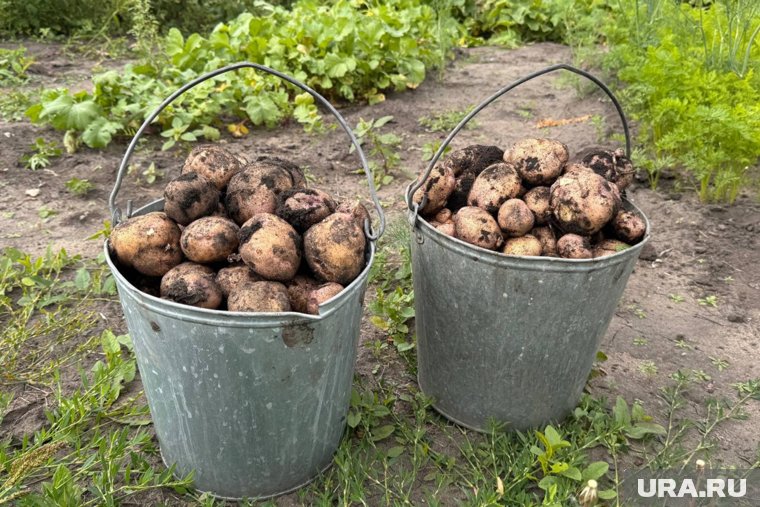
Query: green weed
[[445, 121], [43, 152], [380, 146]]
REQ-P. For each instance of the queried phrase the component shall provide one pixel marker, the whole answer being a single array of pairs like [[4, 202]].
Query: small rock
[[722, 227], [736, 317], [32, 192], [750, 228], [648, 252], [716, 209], [700, 249]]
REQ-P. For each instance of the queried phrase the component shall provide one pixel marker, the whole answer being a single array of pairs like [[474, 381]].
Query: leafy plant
[[43, 152], [445, 121], [346, 51], [78, 186], [381, 146], [13, 66]]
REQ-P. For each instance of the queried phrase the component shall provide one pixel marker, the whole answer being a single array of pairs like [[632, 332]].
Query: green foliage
[[695, 94], [43, 152], [381, 146], [445, 121], [79, 187], [13, 66], [345, 50]]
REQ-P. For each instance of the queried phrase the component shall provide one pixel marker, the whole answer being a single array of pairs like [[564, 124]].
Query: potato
[[614, 166], [192, 284], [447, 228], [467, 164], [334, 249], [259, 297], [476, 226], [270, 247], [545, 235], [278, 174], [148, 243], [515, 218], [494, 186], [574, 246], [304, 207], [220, 211], [213, 163], [583, 202], [255, 190], [298, 292], [437, 189], [189, 197], [297, 176], [538, 161], [235, 275], [609, 247], [357, 210], [321, 294], [524, 245], [537, 199], [209, 239], [628, 226], [444, 216], [574, 168]]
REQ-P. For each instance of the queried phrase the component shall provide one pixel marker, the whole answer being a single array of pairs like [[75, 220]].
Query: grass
[[96, 446]]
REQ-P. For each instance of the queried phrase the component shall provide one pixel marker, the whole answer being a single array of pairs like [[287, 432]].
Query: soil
[[697, 250]]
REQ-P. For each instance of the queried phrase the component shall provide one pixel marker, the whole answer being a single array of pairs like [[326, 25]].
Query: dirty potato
[[538, 161], [494, 186], [476, 226], [148, 243], [334, 249], [209, 239], [192, 284], [526, 245], [583, 202], [214, 163], [515, 218], [269, 297], [270, 247], [189, 197]]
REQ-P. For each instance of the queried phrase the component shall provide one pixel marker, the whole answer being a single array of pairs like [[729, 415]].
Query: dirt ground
[[696, 250]]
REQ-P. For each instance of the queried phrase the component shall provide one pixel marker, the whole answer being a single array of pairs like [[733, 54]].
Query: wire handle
[[415, 185], [116, 214]]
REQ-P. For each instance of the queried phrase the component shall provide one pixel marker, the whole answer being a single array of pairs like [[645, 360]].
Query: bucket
[[254, 403], [509, 340]]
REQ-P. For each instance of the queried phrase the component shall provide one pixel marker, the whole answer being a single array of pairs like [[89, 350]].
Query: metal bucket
[[509, 340], [254, 403]]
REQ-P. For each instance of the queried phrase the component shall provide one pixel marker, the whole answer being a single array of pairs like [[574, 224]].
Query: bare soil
[[697, 250]]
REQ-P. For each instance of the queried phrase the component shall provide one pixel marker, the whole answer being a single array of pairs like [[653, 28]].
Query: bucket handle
[[116, 214], [415, 185]]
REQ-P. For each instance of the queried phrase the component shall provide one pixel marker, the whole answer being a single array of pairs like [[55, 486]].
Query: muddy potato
[[334, 249], [235, 275], [436, 189], [443, 216], [538, 161], [524, 245], [574, 246], [574, 168], [545, 235], [614, 166], [220, 211], [298, 292], [537, 199], [476, 226], [214, 163], [515, 218], [189, 197], [448, 228], [297, 176], [609, 247], [583, 202], [357, 210], [148, 243], [320, 294], [270, 247], [628, 226], [209, 239], [467, 163], [192, 284], [259, 297], [304, 207], [494, 186], [255, 190]]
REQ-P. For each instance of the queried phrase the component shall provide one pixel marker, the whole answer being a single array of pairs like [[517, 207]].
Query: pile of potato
[[530, 201], [243, 236]]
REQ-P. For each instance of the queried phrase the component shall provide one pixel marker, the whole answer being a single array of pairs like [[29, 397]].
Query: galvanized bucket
[[509, 340], [254, 404]]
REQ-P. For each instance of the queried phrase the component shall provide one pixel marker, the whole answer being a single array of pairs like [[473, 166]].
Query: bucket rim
[[526, 261], [229, 318]]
